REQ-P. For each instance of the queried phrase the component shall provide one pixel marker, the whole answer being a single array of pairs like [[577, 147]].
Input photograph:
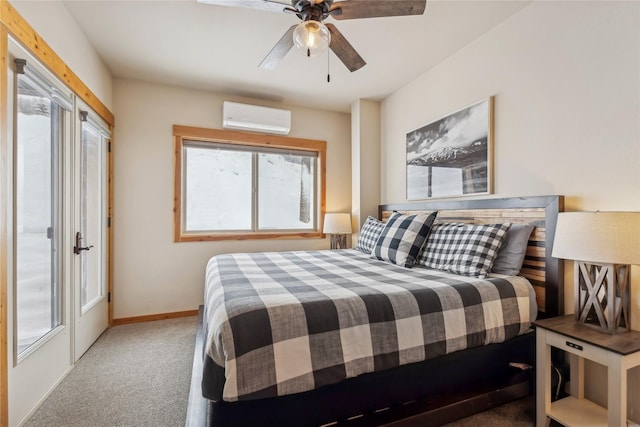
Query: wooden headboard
[[545, 273]]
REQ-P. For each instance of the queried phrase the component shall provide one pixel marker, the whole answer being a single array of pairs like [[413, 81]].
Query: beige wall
[[365, 162], [152, 274], [59, 30], [566, 81]]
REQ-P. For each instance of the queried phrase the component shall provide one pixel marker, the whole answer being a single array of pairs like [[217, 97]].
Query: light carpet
[[139, 375], [134, 375]]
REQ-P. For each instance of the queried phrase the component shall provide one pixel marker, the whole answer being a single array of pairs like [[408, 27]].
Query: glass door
[[39, 134], [90, 249], [41, 112], [58, 301]]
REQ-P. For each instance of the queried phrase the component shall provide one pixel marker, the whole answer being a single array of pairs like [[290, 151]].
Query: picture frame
[[452, 156]]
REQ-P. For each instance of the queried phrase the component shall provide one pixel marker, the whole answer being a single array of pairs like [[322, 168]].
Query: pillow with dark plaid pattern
[[465, 249], [402, 238], [369, 234]]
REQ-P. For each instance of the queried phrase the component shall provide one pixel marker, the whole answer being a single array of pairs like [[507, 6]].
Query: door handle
[[78, 247]]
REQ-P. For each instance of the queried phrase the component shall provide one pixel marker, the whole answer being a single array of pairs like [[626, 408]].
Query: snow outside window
[[230, 190]]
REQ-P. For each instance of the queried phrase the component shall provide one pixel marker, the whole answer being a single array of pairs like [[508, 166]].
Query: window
[[42, 118], [234, 185], [92, 200]]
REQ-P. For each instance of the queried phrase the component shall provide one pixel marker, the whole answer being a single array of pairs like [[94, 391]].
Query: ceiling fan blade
[[343, 49], [355, 9], [279, 51], [268, 5]]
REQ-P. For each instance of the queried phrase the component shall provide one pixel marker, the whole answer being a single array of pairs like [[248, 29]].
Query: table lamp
[[602, 245], [337, 225]]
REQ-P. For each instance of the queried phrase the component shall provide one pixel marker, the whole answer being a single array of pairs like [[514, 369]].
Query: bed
[[257, 363]]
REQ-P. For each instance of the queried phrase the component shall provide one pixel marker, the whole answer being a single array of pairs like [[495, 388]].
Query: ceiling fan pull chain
[[328, 67]]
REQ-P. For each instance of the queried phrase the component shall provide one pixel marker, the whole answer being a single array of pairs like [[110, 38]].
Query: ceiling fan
[[312, 36]]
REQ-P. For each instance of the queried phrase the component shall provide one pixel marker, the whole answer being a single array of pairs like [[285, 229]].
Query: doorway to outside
[[58, 299]]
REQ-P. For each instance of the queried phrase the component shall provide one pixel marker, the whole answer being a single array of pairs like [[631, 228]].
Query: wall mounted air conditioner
[[255, 118]]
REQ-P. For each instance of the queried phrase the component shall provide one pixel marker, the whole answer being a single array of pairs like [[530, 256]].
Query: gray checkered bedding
[[287, 322]]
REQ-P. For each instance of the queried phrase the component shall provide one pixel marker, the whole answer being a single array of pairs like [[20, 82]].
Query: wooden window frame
[[189, 133]]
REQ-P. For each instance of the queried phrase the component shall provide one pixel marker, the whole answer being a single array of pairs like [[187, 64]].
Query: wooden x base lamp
[[602, 299], [603, 245], [338, 241], [337, 225]]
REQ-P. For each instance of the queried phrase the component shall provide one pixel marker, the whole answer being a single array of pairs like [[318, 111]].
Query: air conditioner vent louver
[[255, 118]]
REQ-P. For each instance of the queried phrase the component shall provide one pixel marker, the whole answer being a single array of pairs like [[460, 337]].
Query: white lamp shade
[[337, 223], [600, 237]]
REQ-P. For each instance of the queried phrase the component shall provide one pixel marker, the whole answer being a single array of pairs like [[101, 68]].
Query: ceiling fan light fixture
[[311, 38]]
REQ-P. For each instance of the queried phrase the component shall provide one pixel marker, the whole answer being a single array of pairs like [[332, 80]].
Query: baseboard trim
[[45, 397], [152, 317]]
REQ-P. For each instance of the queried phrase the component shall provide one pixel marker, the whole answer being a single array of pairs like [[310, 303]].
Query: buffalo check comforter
[[287, 322]]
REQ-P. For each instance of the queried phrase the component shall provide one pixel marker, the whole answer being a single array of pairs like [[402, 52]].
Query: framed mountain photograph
[[452, 156]]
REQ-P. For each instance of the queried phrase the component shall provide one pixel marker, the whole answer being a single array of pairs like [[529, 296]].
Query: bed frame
[[429, 393]]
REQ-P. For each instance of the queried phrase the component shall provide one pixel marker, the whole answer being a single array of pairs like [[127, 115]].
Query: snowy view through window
[[219, 186], [37, 286]]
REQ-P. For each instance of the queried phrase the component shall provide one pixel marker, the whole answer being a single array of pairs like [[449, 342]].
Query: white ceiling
[[218, 48]]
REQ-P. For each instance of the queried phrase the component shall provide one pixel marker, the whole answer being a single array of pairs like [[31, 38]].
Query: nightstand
[[618, 353]]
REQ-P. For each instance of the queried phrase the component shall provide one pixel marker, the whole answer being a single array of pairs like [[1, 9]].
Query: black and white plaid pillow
[[369, 234], [402, 238], [464, 249]]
